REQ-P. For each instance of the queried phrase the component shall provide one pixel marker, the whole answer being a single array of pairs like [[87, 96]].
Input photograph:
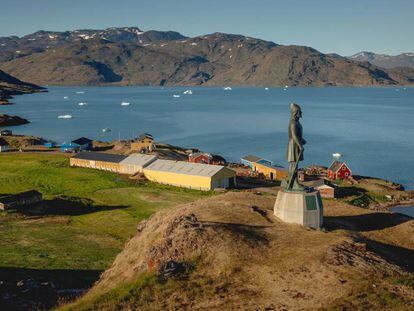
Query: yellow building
[[135, 163], [145, 142], [97, 160], [270, 172], [190, 175]]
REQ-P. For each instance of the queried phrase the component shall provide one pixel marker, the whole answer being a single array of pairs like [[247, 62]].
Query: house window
[[343, 168], [346, 174]]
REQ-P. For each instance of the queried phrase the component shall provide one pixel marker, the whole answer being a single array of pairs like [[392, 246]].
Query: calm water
[[372, 127], [407, 210]]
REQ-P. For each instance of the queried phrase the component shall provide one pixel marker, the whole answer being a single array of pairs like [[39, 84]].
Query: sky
[[330, 26]]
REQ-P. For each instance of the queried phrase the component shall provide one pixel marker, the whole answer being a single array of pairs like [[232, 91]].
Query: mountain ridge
[[384, 60], [169, 58]]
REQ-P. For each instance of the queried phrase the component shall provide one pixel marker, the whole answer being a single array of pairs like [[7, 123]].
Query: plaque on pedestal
[[301, 207]]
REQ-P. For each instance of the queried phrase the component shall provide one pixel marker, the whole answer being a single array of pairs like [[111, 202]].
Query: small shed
[[49, 144], [4, 145], [14, 201], [326, 189], [339, 170], [135, 163], [190, 175], [83, 143]]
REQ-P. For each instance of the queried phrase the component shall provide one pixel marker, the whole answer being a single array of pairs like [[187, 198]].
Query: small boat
[[176, 95], [80, 92], [82, 104], [227, 88], [188, 92], [125, 104], [65, 116], [106, 130]]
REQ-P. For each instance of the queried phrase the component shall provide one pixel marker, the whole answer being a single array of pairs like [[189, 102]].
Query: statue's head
[[295, 111]]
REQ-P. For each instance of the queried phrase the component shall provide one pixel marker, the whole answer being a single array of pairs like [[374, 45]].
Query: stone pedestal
[[303, 208]]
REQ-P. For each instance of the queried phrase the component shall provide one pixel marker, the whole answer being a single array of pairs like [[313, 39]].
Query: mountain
[[385, 61], [128, 56], [15, 47], [10, 85]]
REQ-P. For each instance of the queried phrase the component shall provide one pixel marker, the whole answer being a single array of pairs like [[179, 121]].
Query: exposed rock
[[6, 120], [215, 59]]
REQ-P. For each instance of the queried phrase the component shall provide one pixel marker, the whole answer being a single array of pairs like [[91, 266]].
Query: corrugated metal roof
[[251, 158], [98, 156], [186, 168], [139, 159]]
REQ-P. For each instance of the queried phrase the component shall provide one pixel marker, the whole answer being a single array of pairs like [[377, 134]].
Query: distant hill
[[129, 56], [385, 61], [10, 85]]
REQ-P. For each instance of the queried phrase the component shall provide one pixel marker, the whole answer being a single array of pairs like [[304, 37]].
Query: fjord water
[[372, 127]]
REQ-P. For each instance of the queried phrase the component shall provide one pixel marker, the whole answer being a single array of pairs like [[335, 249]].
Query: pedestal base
[[303, 208]]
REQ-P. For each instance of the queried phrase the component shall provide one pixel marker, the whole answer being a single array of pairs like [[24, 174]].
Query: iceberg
[[65, 116], [125, 104], [188, 92]]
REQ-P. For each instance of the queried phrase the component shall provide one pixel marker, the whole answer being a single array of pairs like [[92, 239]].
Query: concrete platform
[[303, 208]]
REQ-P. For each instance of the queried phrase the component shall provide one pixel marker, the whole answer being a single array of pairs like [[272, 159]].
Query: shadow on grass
[[364, 222], [400, 256], [65, 206], [38, 289], [344, 192]]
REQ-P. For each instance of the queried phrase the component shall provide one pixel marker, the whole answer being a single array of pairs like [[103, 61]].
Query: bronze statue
[[295, 148]]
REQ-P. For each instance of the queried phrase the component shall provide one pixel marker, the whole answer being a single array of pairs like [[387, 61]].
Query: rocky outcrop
[[10, 85], [386, 61], [6, 120]]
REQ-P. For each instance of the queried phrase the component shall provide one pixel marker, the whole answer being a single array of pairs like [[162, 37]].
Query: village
[[144, 158]]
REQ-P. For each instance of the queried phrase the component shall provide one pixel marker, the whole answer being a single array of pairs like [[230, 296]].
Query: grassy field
[[85, 220]]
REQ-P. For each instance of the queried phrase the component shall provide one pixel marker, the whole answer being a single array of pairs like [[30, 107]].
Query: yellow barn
[[190, 175]]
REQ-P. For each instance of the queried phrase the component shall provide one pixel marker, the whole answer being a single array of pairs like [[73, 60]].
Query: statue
[[294, 202], [295, 148]]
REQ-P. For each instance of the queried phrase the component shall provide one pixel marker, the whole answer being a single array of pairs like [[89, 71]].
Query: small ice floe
[[397, 90], [125, 104], [106, 130], [65, 97], [82, 104], [65, 116], [266, 88], [286, 86], [176, 95], [188, 92], [336, 155], [80, 92], [227, 88]]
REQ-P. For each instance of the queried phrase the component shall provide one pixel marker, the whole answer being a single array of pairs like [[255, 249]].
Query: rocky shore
[[6, 120]]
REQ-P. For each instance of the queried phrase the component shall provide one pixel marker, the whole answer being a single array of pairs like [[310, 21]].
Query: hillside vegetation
[[230, 252], [83, 223]]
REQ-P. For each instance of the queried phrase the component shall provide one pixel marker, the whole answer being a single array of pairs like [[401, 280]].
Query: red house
[[200, 157], [339, 170]]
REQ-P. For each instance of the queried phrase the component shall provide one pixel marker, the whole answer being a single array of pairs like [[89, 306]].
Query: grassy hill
[[86, 218], [229, 252]]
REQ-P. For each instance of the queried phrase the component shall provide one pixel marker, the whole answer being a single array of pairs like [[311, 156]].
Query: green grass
[[87, 227]]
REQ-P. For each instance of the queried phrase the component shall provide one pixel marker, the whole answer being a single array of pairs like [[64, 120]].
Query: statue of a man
[[295, 148]]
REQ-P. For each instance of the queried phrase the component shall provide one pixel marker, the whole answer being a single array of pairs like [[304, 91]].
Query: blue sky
[[341, 26]]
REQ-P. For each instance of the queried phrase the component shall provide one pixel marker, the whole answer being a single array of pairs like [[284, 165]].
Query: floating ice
[[65, 116]]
